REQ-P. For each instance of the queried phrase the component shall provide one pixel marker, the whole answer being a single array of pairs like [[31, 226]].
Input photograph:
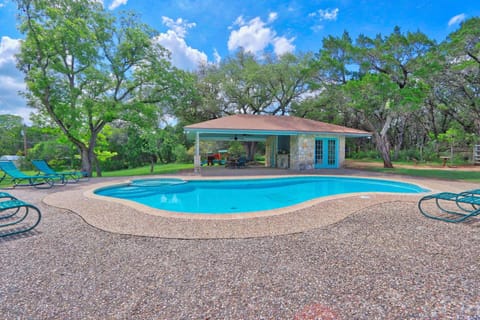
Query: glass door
[[326, 153]]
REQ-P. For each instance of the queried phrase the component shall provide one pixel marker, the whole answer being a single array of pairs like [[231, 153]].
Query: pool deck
[[342, 257], [128, 217]]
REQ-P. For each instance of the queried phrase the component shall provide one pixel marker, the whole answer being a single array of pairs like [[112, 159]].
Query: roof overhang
[[247, 127], [258, 135]]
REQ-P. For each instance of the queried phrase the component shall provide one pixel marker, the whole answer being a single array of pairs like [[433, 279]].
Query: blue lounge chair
[[66, 176], [4, 195], [453, 207], [7, 196], [17, 216], [19, 178]]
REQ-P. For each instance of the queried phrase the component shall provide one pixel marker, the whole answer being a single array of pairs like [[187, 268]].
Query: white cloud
[[323, 15], [255, 36], [182, 55], [272, 16], [117, 3], [457, 19], [327, 14], [283, 45], [179, 26], [12, 80], [238, 22], [216, 56]]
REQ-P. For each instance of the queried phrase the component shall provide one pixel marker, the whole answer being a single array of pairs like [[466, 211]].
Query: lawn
[[158, 169], [469, 176], [465, 172]]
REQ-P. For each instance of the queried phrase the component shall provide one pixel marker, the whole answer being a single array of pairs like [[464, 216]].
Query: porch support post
[[196, 157]]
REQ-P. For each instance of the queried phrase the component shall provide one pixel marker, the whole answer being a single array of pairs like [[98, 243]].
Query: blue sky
[[199, 31]]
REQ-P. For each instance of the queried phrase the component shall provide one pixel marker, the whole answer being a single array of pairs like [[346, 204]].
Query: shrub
[[369, 154], [181, 154]]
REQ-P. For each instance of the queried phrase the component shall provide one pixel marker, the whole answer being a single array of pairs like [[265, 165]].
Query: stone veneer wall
[[302, 148], [302, 151]]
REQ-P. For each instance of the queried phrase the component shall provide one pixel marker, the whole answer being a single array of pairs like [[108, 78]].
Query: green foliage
[[145, 170], [335, 61], [367, 155], [410, 155], [259, 158], [49, 150], [236, 149], [247, 84], [85, 68], [11, 133], [181, 154], [470, 176]]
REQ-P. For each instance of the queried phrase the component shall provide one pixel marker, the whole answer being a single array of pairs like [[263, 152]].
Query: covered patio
[[290, 142]]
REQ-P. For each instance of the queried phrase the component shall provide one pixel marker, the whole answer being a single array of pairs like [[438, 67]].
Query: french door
[[326, 153]]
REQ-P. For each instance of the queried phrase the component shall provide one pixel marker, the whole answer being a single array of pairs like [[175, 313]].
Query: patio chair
[[20, 179], [242, 162], [453, 207], [66, 176], [4, 195], [17, 216]]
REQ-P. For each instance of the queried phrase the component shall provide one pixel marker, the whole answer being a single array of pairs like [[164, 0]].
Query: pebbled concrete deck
[[379, 260], [127, 217]]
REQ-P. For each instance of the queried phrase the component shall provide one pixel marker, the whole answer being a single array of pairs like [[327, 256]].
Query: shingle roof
[[269, 123]]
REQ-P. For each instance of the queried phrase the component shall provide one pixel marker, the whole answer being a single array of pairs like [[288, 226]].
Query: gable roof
[[268, 125]]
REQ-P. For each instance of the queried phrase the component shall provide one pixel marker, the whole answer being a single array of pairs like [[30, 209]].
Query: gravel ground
[[383, 262]]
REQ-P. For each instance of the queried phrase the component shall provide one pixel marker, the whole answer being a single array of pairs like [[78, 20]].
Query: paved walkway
[[380, 261]]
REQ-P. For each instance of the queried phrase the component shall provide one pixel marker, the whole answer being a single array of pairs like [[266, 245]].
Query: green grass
[[470, 176], [420, 171], [158, 169]]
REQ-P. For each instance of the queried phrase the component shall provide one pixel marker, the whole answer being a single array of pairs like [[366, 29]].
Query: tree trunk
[[88, 158], [250, 148], [97, 165], [398, 142], [383, 146], [91, 150], [86, 161], [381, 141], [152, 164]]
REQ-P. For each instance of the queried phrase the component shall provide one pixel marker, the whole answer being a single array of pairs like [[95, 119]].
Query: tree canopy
[[87, 70], [84, 68]]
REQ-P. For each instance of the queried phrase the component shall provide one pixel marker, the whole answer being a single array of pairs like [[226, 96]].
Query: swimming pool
[[244, 195]]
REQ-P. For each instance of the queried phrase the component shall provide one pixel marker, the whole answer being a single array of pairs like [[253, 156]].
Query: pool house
[[290, 142]]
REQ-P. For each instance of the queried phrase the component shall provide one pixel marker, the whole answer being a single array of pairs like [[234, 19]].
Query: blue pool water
[[234, 196]]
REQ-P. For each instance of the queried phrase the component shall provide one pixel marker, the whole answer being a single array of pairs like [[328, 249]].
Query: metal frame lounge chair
[[67, 176], [6, 195], [453, 207], [14, 216], [21, 179]]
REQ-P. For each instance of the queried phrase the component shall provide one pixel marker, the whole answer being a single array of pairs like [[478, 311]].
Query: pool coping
[[128, 217]]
